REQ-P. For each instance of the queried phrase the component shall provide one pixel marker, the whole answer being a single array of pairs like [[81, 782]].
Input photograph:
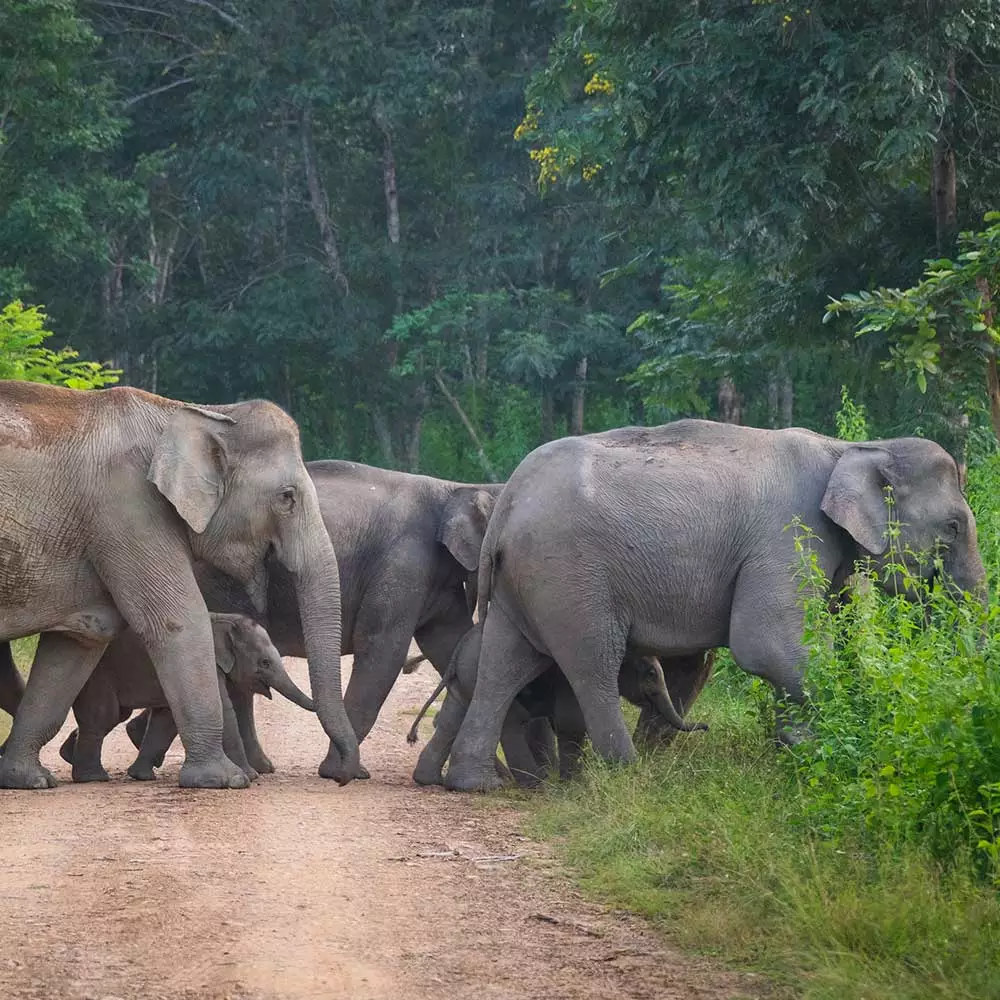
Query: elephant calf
[[124, 680], [550, 697]]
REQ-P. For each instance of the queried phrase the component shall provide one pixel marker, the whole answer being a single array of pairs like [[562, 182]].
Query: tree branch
[[157, 90], [320, 207], [457, 407]]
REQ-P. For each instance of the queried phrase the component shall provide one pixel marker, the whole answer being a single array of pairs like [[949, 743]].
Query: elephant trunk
[[277, 678], [308, 555]]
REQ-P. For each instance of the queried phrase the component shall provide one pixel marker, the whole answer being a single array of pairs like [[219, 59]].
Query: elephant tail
[[484, 583], [412, 735]]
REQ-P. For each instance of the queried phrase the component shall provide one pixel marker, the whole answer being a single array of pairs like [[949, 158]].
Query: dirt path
[[299, 889]]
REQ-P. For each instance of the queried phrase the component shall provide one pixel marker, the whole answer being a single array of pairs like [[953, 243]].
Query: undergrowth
[[866, 861]]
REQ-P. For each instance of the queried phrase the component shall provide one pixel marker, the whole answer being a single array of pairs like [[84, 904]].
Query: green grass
[[24, 653], [707, 840]]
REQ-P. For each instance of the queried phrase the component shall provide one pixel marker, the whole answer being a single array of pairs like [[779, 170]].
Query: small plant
[[852, 419]]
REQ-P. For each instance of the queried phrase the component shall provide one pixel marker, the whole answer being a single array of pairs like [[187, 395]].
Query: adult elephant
[[673, 539], [407, 548], [108, 498]]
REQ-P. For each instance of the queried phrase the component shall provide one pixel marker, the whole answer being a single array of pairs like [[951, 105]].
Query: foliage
[[851, 419], [706, 841], [946, 323], [907, 720], [24, 359]]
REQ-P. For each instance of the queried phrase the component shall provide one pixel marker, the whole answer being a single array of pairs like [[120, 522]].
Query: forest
[[439, 234]]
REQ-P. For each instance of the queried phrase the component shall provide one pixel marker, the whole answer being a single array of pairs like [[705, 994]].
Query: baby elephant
[[124, 680], [550, 696]]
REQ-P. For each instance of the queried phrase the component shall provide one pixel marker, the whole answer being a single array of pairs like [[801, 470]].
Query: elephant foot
[[428, 773], [91, 773], [527, 779], [142, 771], [260, 763], [25, 774], [333, 767], [218, 773], [251, 774], [463, 780], [68, 750]]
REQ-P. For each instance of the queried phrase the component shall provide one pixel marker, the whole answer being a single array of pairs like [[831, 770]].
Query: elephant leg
[[571, 731], [541, 739], [174, 626], [447, 722], [87, 764], [519, 749], [136, 728], [232, 742], [766, 640], [61, 668], [11, 683], [158, 734], [507, 662], [243, 706], [196, 708], [379, 655], [591, 658], [685, 677]]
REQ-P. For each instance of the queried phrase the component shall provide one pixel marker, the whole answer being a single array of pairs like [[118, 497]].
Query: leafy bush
[[23, 359], [907, 717]]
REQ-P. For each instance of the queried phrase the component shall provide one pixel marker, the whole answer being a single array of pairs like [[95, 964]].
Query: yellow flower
[[591, 171], [529, 123], [598, 84], [589, 58]]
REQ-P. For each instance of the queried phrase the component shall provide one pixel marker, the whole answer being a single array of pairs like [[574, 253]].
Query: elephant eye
[[286, 498], [951, 530]]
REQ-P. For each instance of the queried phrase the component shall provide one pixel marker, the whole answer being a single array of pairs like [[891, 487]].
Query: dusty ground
[[299, 889]]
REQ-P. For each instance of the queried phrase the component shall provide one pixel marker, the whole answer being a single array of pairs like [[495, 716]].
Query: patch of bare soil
[[299, 889]]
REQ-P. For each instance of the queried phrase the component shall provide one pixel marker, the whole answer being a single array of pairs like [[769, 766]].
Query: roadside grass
[[24, 653], [706, 839]]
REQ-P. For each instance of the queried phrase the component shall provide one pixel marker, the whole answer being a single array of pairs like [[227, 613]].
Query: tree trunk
[[320, 205], [992, 376], [416, 431], [944, 175], [787, 399], [383, 434], [730, 401], [467, 423], [579, 397], [548, 413]]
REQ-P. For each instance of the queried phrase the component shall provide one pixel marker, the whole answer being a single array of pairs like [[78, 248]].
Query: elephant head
[[235, 475], [926, 501], [463, 526], [245, 654]]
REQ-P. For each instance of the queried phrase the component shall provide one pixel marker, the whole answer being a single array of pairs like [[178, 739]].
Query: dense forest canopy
[[441, 233]]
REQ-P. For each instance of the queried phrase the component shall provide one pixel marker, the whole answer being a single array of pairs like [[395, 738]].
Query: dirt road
[[299, 889]]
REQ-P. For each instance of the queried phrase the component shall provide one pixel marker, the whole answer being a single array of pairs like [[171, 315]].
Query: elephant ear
[[464, 525], [188, 465], [225, 645], [855, 496]]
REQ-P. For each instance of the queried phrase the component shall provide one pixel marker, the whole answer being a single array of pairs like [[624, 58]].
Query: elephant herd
[[169, 555]]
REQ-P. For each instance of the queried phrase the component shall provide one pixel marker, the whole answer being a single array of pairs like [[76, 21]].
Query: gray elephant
[[407, 547], [125, 680], [671, 539], [641, 680], [109, 498]]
